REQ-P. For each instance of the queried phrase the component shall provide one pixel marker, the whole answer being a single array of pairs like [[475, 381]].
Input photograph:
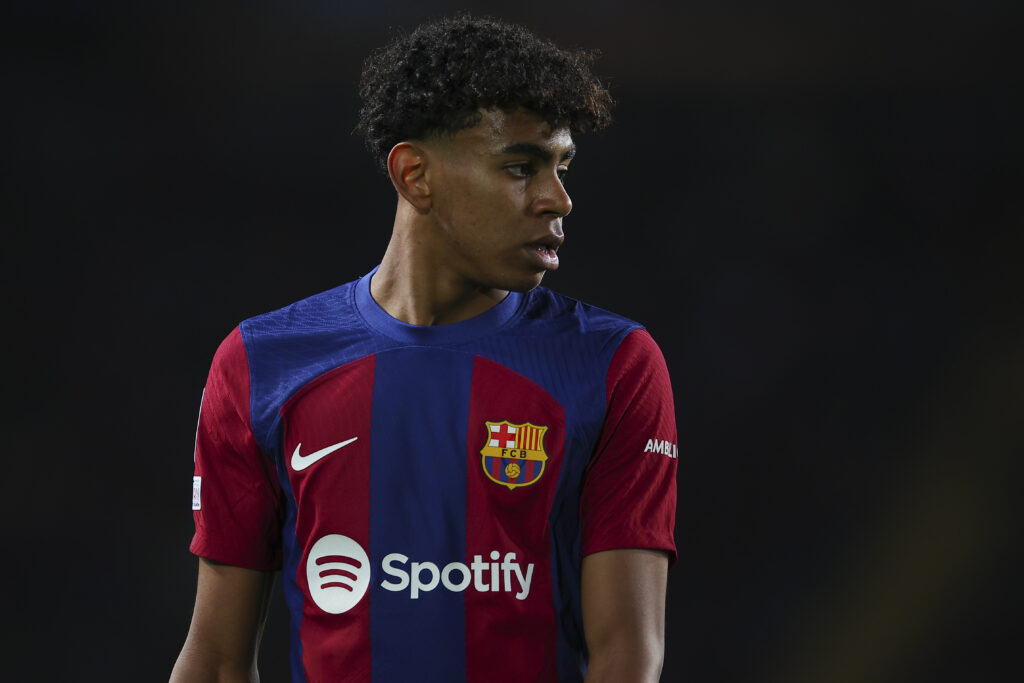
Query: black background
[[815, 210]]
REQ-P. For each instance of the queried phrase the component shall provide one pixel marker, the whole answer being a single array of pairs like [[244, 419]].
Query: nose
[[553, 198]]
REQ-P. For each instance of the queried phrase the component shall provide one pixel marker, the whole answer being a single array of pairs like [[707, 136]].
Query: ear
[[407, 165]]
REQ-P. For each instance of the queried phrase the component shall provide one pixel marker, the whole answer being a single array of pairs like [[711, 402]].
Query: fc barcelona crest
[[513, 454]]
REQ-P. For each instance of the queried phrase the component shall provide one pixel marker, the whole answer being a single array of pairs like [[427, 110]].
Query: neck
[[412, 285]]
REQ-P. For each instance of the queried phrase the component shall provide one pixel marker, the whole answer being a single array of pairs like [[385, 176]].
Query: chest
[[432, 448]]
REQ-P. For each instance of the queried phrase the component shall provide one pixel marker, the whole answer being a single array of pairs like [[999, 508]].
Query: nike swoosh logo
[[301, 462]]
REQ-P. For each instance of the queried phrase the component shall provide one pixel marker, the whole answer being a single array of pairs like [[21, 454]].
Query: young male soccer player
[[462, 475]]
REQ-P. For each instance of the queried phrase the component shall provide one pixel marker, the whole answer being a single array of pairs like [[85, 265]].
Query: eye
[[562, 172], [521, 170]]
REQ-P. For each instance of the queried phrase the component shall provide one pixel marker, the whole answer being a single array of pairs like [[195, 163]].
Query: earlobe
[[407, 169]]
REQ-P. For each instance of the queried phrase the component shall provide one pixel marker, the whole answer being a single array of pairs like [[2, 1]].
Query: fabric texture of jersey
[[429, 492]]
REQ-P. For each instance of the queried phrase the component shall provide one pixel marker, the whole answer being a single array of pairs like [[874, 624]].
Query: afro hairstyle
[[438, 78]]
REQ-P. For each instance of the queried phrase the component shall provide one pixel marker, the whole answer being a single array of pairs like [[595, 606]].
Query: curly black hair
[[438, 78]]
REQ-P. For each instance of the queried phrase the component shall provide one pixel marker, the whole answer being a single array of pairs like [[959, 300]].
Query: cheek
[[477, 208], [460, 195]]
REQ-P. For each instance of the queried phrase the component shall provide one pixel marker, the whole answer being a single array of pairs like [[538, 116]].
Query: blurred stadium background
[[814, 207]]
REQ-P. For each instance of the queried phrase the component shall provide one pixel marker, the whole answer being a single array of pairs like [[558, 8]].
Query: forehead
[[499, 129]]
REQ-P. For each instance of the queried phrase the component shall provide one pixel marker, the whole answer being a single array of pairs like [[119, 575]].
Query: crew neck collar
[[477, 326]]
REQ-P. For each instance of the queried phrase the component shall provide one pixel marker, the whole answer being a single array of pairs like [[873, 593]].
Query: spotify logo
[[338, 573]]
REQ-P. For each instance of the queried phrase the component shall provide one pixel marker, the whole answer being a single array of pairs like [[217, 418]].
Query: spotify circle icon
[[338, 573]]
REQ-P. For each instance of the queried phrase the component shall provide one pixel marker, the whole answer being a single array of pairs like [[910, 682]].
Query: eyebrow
[[538, 151]]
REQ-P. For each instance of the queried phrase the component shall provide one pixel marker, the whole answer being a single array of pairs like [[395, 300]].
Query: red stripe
[[222, 530], [511, 521], [333, 642]]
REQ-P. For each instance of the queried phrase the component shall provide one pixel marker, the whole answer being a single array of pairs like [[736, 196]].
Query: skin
[[227, 624], [472, 207], [623, 596], [473, 210]]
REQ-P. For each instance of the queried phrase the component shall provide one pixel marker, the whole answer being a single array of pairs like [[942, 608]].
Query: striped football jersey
[[429, 493]]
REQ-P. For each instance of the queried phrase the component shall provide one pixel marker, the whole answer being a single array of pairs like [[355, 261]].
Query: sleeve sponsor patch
[[662, 446], [197, 483]]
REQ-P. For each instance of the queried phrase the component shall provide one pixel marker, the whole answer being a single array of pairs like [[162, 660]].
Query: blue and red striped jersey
[[429, 493]]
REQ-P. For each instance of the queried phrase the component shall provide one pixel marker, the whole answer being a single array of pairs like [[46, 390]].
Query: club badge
[[513, 454]]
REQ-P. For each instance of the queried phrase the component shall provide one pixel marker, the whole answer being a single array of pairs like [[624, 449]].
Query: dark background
[[815, 210]]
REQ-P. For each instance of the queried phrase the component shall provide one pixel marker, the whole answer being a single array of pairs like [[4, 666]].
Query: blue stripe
[[417, 498], [293, 595]]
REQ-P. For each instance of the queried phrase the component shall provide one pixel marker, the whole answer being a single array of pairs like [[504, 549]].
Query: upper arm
[[627, 515], [237, 511], [227, 624], [623, 594], [238, 502], [628, 498]]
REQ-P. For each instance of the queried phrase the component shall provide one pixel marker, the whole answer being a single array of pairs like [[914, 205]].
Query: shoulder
[[323, 311], [284, 349], [547, 308], [319, 316], [612, 341], [580, 345], [626, 345]]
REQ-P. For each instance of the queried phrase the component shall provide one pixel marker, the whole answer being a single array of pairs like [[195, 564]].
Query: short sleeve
[[629, 488], [236, 497]]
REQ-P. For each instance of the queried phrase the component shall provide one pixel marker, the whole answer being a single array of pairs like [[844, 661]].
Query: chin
[[524, 284], [510, 278]]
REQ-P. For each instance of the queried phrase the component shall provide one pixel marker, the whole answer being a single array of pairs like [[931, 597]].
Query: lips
[[549, 243], [543, 250]]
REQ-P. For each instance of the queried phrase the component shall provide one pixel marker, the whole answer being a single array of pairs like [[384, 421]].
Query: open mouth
[[545, 252], [548, 243]]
